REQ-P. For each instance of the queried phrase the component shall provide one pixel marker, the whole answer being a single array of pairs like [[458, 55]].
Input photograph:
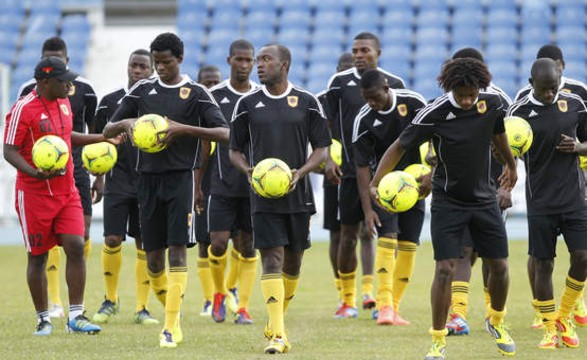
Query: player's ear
[[180, 59], [228, 59], [531, 82]]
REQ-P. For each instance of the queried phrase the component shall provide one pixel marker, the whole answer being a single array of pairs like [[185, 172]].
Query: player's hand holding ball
[[272, 178], [148, 132], [50, 155]]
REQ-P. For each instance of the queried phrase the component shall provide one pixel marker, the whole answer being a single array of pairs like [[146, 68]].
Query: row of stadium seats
[[416, 36]]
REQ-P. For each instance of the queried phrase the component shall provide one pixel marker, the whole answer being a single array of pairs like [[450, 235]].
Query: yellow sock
[[205, 276], [53, 264], [547, 311], [290, 284], [111, 263], [496, 317], [234, 267], [273, 293], [348, 287], [367, 285], [404, 269], [87, 249], [438, 335], [572, 292], [247, 276], [142, 280], [217, 268], [159, 284], [178, 277], [487, 302], [384, 268], [460, 298], [338, 287]]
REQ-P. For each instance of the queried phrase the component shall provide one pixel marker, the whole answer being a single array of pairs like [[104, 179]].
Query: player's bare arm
[[239, 161], [113, 129], [363, 180], [313, 162], [509, 175], [14, 158], [220, 134], [332, 171], [387, 163], [570, 145]]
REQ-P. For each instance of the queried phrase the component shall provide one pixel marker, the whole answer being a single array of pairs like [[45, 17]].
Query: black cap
[[54, 67]]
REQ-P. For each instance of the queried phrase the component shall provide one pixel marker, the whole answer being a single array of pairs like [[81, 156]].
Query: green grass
[[312, 331]]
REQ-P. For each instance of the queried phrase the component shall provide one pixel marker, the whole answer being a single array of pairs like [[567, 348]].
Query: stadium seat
[[193, 38], [43, 23], [398, 18], [394, 52], [260, 5], [398, 5], [502, 5], [432, 35], [227, 19], [437, 18], [576, 70], [322, 70], [329, 5], [570, 34], [222, 36], [497, 17], [265, 20], [77, 23], [10, 22], [76, 39], [503, 69], [193, 6], [570, 13], [397, 36], [316, 85], [330, 18], [294, 5], [297, 73], [535, 35], [501, 34], [432, 5], [299, 54], [258, 37], [573, 50], [364, 20], [502, 52], [293, 36], [325, 53], [470, 5], [466, 36], [468, 17], [327, 36], [295, 19], [427, 88], [356, 28], [396, 65], [536, 12], [188, 21], [223, 5]]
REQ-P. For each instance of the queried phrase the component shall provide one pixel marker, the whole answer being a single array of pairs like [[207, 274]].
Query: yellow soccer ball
[[99, 158], [212, 147], [519, 134], [271, 178], [398, 191], [417, 170], [146, 132], [336, 152], [50, 153], [424, 148], [583, 162]]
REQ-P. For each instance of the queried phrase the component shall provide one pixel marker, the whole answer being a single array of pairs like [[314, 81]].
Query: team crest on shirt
[[184, 92], [562, 105], [481, 107], [402, 109], [64, 109], [71, 90], [292, 101], [565, 90]]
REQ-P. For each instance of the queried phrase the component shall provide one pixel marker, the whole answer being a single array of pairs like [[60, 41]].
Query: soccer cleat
[[166, 340], [277, 345], [457, 325], [549, 340], [243, 317], [368, 301], [206, 309], [437, 350], [385, 316], [375, 314], [177, 333], [232, 300], [144, 317], [56, 311], [580, 313], [346, 312], [107, 309], [505, 343], [219, 308], [537, 323], [569, 336], [399, 320], [82, 325], [267, 332], [44, 328]]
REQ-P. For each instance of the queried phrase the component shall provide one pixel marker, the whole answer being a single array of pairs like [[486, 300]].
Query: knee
[[348, 240], [579, 263], [113, 241], [544, 266], [247, 250], [498, 268], [218, 245], [445, 271]]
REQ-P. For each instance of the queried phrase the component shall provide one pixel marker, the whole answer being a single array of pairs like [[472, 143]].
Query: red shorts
[[43, 217]]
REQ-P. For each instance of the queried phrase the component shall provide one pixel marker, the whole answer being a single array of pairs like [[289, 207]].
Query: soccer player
[[82, 98], [229, 209], [208, 76], [343, 102], [165, 184], [279, 120], [48, 204], [377, 126], [462, 125], [557, 118], [121, 208], [331, 221], [574, 87], [457, 323]]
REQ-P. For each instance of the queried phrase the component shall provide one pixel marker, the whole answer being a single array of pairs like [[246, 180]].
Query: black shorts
[[389, 221], [410, 225], [447, 227], [468, 241], [82, 183], [121, 215], [229, 213], [201, 228], [331, 220], [275, 230], [166, 209], [349, 202], [544, 229]]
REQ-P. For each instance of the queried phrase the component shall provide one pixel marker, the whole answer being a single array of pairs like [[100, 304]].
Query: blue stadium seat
[[7, 55], [430, 52], [222, 36], [316, 85], [325, 54], [397, 36], [535, 35], [501, 34], [297, 73], [575, 70], [293, 36], [223, 5], [327, 36], [366, 18], [76, 39], [188, 21], [528, 52], [395, 52], [502, 16], [398, 18], [361, 5], [258, 37], [10, 22], [398, 5], [427, 88], [329, 5], [503, 69], [260, 5], [432, 35], [501, 5], [322, 70], [193, 6], [9, 39], [537, 12], [294, 5], [438, 18], [570, 13], [299, 54], [216, 54], [573, 51], [260, 20], [43, 23], [330, 18], [468, 17], [295, 19], [193, 38], [570, 34], [466, 36], [44, 7], [227, 19], [356, 28], [432, 5], [502, 52], [77, 23], [509, 85], [396, 65], [467, 5]]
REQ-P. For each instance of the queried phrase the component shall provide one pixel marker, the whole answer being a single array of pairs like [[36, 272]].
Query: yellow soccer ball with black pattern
[[271, 178], [146, 132], [519, 134], [99, 158], [418, 170], [50, 153], [398, 191]]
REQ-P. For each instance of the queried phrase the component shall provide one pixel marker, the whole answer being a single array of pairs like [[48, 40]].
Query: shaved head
[[545, 80], [544, 69]]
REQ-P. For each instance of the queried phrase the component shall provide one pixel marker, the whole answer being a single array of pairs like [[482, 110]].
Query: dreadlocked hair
[[464, 72]]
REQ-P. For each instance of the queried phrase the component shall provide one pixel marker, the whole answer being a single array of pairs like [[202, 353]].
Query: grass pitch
[[312, 331]]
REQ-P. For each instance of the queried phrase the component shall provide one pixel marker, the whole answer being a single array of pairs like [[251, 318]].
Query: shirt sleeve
[[363, 146], [101, 117], [239, 127], [499, 127], [16, 126], [210, 111], [331, 102], [318, 125], [129, 107], [420, 130], [91, 102]]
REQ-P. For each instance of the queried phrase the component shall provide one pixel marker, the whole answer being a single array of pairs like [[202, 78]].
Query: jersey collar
[[251, 83], [454, 103], [185, 79], [285, 93], [393, 104], [563, 82], [535, 101]]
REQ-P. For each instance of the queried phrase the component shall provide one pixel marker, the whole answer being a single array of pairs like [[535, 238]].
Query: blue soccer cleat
[[82, 325], [44, 328], [457, 325]]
